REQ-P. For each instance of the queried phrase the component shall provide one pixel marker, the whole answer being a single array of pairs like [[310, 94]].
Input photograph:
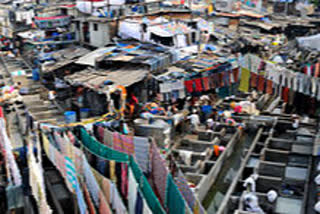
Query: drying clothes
[[101, 165], [285, 94], [212, 84], [186, 156], [124, 180], [185, 190], [105, 187], [146, 208], [88, 200], [174, 201], [159, 172], [127, 144], [189, 85], [116, 201], [113, 171], [91, 182], [269, 89], [236, 74], [253, 80], [141, 148], [198, 85], [139, 204], [104, 207], [261, 81], [132, 195], [244, 83], [205, 81], [100, 133], [317, 70], [108, 138], [99, 149]]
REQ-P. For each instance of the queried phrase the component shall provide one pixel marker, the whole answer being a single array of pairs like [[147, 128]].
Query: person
[[295, 124], [52, 96], [194, 119], [251, 203], [250, 183], [133, 101], [272, 196]]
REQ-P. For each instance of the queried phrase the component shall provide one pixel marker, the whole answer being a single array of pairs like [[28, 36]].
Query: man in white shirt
[[194, 120]]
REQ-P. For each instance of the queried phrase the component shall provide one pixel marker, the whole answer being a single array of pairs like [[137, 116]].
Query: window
[[95, 27]]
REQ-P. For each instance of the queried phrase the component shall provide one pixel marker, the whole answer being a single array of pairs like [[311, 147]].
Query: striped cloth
[[141, 149], [70, 172], [117, 145], [123, 143], [186, 192], [127, 144]]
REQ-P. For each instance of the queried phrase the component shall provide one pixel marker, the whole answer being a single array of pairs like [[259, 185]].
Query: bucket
[[84, 113], [70, 117]]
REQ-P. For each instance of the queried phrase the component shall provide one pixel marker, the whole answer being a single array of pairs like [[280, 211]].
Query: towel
[[141, 148]]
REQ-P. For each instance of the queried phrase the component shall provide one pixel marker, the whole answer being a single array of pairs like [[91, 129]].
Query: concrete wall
[[99, 37]]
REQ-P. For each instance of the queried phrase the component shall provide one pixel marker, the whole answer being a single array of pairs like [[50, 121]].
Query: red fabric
[[253, 80], [269, 89], [189, 85], [49, 18], [261, 81], [124, 179], [198, 85], [285, 94], [305, 70], [1, 112], [205, 81], [88, 200], [317, 69], [236, 74]]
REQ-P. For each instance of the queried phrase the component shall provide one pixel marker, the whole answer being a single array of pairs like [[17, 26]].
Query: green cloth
[[244, 82], [147, 191], [174, 200], [101, 150]]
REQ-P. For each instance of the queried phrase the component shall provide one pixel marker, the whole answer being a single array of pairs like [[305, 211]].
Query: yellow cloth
[[244, 82], [113, 176], [210, 9], [45, 144]]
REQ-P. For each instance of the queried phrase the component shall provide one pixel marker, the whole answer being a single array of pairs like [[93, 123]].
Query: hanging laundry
[[253, 80], [198, 85], [158, 172], [141, 148], [261, 82], [174, 201], [139, 204], [132, 195], [189, 85], [244, 82], [205, 81]]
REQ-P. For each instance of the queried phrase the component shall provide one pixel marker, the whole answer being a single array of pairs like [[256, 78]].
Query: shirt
[[194, 118]]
